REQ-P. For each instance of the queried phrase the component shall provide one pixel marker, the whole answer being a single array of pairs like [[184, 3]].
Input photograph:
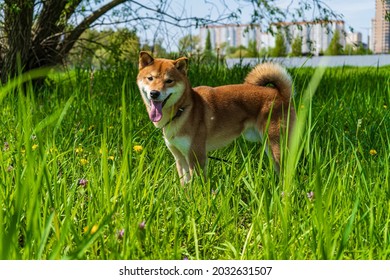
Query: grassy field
[[85, 175]]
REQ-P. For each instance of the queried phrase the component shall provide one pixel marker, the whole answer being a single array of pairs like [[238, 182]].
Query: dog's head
[[161, 82]]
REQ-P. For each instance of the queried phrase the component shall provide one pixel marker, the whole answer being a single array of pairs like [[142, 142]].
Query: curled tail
[[271, 73]]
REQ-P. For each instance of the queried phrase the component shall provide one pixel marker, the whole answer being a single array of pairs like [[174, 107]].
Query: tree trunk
[[18, 19]]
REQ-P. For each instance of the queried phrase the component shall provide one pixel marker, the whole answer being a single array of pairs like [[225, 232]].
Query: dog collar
[[178, 114]]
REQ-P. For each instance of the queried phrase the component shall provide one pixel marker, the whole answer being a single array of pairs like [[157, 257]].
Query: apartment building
[[233, 35], [381, 27], [354, 39], [316, 36]]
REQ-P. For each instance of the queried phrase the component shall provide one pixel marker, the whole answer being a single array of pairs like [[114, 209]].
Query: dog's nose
[[154, 94]]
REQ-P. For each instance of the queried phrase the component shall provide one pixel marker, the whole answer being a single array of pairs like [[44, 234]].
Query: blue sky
[[357, 14]]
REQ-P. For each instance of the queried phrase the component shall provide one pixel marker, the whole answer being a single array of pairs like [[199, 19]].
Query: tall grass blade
[[348, 229]]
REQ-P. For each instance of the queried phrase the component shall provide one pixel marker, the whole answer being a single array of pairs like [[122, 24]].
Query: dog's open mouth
[[155, 113]]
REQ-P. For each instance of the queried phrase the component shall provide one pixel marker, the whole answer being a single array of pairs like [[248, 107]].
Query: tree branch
[[69, 41], [47, 20]]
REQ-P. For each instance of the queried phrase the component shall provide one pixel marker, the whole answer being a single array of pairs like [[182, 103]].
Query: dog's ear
[[145, 59], [181, 64]]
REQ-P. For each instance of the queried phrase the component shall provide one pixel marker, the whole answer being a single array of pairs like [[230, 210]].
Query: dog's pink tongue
[[155, 113]]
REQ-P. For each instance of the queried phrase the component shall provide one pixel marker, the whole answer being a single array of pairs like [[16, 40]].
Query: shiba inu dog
[[197, 120]]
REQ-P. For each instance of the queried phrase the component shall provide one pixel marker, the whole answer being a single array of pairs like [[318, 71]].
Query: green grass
[[77, 128]]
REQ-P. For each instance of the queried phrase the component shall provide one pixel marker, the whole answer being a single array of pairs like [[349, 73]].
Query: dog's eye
[[169, 81], [150, 78]]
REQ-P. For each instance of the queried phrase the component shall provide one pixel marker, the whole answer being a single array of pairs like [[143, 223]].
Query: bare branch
[[68, 43], [48, 18]]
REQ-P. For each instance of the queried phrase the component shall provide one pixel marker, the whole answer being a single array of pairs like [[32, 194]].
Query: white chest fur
[[181, 143]]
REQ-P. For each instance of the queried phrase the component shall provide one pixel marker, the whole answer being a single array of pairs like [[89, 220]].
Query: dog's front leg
[[198, 161], [183, 170], [199, 169], [181, 165]]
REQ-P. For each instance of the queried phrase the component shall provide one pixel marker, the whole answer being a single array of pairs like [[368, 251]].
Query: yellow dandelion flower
[[111, 158], [83, 161], [373, 152], [93, 229], [34, 147], [78, 150], [137, 148]]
